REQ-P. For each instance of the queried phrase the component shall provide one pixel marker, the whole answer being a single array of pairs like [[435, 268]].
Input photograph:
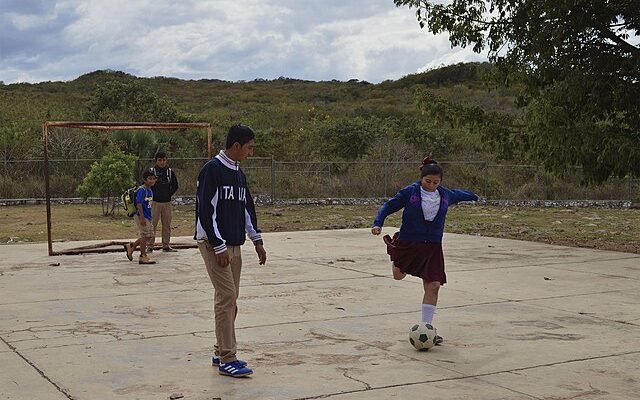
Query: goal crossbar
[[105, 126]]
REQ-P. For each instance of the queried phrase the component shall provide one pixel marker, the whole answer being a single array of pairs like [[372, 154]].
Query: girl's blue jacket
[[414, 227]]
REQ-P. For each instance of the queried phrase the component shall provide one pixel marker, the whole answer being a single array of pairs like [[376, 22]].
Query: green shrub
[[108, 178]]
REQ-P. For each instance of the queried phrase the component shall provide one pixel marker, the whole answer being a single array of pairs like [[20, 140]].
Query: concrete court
[[323, 319]]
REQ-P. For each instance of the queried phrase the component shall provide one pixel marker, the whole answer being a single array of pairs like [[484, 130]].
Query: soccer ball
[[422, 336]]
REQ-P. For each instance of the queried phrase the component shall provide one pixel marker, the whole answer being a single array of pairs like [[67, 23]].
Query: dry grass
[[605, 229]]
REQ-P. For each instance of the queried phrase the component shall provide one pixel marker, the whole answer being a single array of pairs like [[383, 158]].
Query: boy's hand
[[223, 259], [376, 230], [262, 254]]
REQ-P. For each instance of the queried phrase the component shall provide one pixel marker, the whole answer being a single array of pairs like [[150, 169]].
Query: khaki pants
[[226, 284], [145, 231], [161, 212]]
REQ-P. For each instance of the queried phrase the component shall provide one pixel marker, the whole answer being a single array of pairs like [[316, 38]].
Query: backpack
[[153, 169], [128, 199]]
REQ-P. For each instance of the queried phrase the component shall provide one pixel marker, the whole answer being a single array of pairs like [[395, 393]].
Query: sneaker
[[169, 249], [439, 340], [129, 249], [145, 260], [215, 361], [234, 369]]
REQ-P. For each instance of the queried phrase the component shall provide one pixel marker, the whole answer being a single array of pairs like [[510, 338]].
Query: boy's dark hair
[[430, 167], [160, 154], [241, 134], [147, 173]]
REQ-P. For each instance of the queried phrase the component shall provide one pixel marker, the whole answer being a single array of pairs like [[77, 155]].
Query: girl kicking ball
[[417, 248]]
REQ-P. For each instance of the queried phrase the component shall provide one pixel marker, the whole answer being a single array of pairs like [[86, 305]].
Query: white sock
[[428, 310]]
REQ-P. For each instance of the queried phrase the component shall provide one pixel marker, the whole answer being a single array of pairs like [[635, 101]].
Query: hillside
[[292, 116], [295, 121]]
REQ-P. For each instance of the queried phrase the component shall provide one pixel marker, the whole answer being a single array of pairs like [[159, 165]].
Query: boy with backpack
[[142, 218], [165, 187]]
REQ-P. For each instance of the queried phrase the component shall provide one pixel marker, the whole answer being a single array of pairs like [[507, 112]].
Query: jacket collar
[[418, 186], [227, 162]]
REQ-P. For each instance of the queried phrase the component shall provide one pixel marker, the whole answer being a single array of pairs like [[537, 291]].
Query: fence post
[[630, 186], [273, 179], [330, 182], [485, 183], [386, 178]]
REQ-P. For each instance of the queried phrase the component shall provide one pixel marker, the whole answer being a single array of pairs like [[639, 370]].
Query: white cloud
[[223, 39], [452, 57]]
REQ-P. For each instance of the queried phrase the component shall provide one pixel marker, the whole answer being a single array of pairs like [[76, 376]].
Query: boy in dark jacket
[[224, 212], [165, 187]]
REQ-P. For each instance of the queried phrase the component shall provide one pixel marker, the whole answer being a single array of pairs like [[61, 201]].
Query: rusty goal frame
[[104, 126]]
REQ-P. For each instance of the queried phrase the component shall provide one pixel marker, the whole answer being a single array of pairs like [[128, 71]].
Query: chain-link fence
[[334, 179]]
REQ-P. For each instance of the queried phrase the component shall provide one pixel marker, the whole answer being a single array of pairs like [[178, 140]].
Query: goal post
[[102, 126]]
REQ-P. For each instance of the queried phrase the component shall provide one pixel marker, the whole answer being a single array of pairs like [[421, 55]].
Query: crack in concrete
[[510, 389], [41, 372], [211, 331], [346, 375], [476, 376], [201, 290], [307, 281], [324, 264], [589, 393], [548, 264], [565, 296], [552, 263], [101, 297], [581, 314], [81, 328]]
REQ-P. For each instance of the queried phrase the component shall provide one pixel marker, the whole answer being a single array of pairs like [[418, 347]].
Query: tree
[[134, 102], [131, 101], [16, 142], [579, 61], [66, 143], [347, 138], [108, 178]]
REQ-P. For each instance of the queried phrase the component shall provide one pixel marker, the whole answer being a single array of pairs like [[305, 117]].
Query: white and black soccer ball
[[422, 336]]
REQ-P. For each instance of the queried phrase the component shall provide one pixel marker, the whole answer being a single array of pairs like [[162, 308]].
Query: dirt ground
[[597, 228]]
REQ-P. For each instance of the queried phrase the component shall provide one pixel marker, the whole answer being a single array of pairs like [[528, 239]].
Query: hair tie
[[428, 161]]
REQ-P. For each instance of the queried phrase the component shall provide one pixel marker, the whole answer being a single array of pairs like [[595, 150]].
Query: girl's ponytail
[[430, 167]]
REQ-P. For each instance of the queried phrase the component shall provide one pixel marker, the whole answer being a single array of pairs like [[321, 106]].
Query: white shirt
[[430, 204]]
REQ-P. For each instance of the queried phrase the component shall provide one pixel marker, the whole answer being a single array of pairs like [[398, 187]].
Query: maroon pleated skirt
[[421, 259]]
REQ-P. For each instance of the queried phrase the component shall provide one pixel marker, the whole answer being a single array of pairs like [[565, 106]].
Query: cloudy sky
[[372, 40]]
